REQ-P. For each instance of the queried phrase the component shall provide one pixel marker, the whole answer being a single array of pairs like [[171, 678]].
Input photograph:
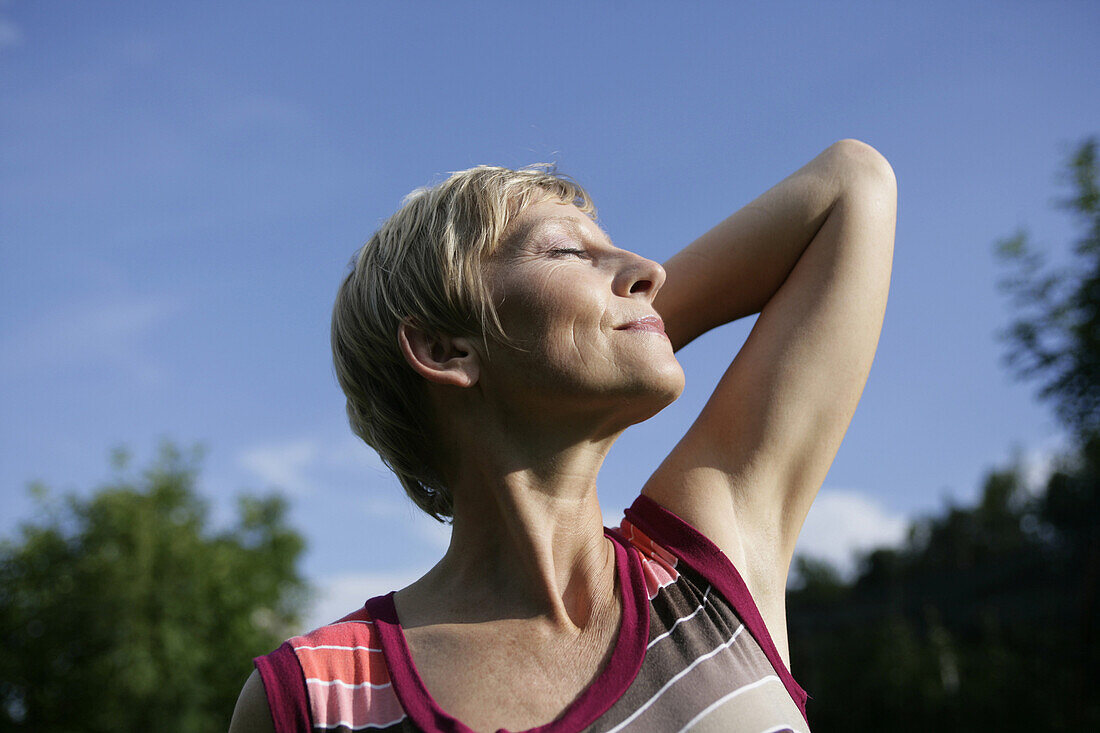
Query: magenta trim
[[687, 543], [285, 687], [605, 690]]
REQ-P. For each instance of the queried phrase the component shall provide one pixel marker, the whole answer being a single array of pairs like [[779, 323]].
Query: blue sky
[[182, 185]]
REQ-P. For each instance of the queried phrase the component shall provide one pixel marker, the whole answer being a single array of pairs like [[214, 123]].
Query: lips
[[648, 323]]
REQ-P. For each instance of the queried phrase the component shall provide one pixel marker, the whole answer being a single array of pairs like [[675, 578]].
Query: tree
[[959, 629], [987, 617], [1055, 337], [125, 612]]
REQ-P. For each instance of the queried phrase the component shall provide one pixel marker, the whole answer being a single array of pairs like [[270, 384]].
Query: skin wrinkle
[[514, 620], [540, 292], [532, 240], [525, 233], [528, 560]]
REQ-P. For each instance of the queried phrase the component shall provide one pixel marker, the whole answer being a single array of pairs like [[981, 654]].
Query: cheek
[[553, 302], [573, 317]]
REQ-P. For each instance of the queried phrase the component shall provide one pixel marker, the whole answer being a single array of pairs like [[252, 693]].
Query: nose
[[639, 276]]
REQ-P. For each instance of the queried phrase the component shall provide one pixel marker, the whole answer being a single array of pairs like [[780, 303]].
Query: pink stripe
[[697, 551], [617, 676], [336, 704], [648, 547], [656, 576], [285, 689], [345, 634]]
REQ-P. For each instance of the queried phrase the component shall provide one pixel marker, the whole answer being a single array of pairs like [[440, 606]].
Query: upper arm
[[748, 469], [252, 715]]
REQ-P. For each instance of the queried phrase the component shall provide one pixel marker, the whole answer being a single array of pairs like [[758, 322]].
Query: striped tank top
[[692, 654]]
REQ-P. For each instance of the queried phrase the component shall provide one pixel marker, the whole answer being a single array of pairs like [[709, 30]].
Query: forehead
[[549, 214]]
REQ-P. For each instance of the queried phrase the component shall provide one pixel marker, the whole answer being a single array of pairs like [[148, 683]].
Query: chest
[[508, 674], [684, 657]]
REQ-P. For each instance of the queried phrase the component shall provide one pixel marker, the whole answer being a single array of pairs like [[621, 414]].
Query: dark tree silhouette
[[986, 617]]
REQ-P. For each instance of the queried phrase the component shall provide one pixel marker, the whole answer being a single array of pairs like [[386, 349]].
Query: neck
[[527, 539]]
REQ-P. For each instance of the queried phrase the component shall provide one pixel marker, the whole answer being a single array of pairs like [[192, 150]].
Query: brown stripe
[[741, 663]]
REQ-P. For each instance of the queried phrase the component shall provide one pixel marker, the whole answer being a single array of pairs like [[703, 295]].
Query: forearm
[[733, 270]]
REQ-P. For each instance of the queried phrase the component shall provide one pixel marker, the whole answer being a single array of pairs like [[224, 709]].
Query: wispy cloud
[[304, 465], [844, 523], [283, 465], [10, 34], [841, 524], [110, 333], [386, 508], [339, 595], [351, 452], [435, 534]]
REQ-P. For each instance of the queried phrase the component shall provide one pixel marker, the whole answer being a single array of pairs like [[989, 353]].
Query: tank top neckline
[[616, 676]]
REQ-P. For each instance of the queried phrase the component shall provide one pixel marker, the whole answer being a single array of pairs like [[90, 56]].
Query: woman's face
[[582, 310]]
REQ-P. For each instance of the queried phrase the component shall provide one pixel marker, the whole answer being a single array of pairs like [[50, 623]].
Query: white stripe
[[744, 688], [681, 673], [780, 729], [333, 646], [681, 620], [349, 726], [341, 623], [347, 685]]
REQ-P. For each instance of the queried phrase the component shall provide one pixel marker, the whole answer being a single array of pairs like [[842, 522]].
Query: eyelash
[[569, 251]]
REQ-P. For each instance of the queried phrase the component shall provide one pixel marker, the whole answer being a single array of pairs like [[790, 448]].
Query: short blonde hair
[[424, 265]]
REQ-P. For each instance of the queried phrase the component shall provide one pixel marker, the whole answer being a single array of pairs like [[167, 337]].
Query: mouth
[[649, 323]]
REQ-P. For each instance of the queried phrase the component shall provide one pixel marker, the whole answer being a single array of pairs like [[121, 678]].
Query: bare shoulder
[[252, 714]]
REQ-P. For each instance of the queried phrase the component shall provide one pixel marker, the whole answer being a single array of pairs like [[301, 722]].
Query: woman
[[493, 343]]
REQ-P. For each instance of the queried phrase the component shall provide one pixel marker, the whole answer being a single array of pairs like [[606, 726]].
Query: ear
[[439, 358]]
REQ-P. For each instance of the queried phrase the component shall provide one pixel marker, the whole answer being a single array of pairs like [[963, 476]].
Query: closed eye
[[569, 251]]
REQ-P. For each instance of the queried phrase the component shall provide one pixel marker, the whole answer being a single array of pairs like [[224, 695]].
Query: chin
[[658, 390], [673, 387], [670, 382], [669, 379]]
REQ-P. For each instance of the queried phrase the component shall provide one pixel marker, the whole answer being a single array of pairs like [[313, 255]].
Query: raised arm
[[813, 256]]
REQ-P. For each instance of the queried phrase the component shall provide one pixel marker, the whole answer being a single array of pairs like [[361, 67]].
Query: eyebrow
[[531, 229]]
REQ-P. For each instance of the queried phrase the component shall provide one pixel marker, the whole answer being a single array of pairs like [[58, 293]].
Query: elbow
[[862, 165]]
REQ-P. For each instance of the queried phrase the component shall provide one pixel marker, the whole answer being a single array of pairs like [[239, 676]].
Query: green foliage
[[124, 612], [1055, 337], [987, 617], [818, 579]]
